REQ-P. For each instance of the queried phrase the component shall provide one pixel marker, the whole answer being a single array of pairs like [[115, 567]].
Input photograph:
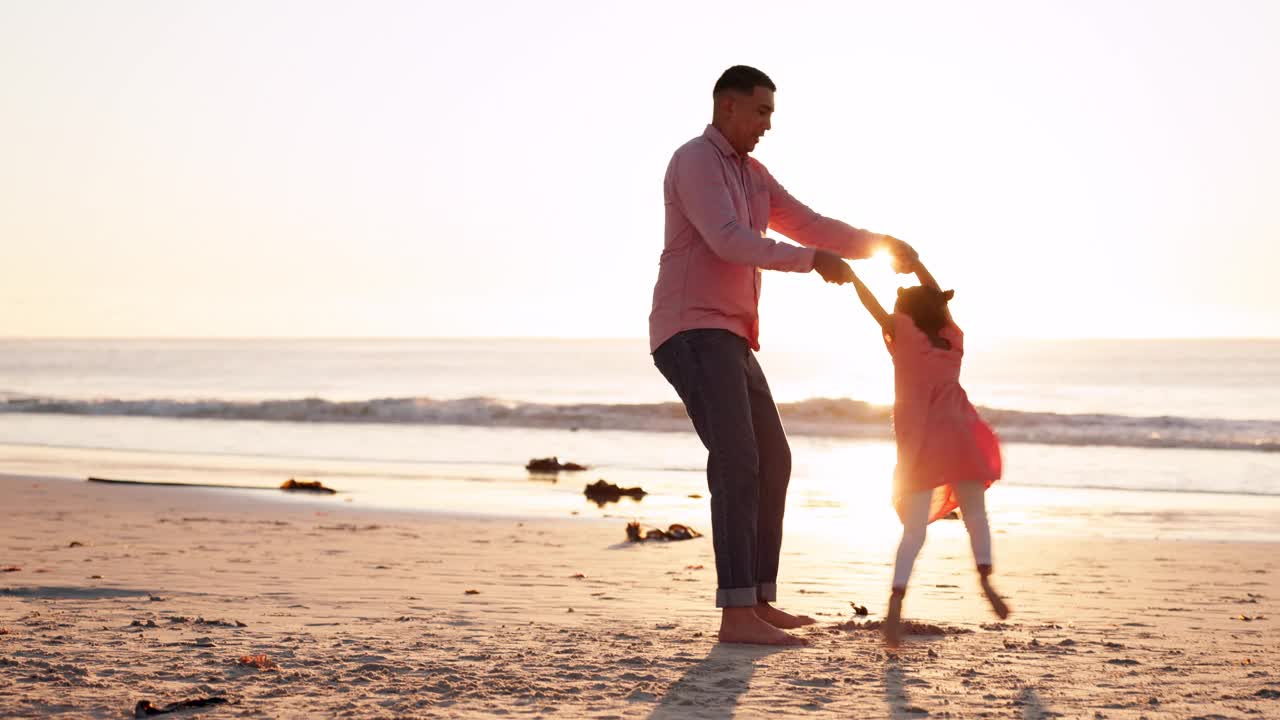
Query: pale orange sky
[[495, 169]]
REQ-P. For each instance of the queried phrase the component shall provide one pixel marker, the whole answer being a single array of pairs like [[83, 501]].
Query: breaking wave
[[823, 417]]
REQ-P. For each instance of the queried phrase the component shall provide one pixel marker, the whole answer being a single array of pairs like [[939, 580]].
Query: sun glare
[[848, 485], [877, 272]]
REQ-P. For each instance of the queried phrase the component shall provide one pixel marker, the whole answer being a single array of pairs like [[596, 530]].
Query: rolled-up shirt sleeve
[[701, 188], [797, 221]]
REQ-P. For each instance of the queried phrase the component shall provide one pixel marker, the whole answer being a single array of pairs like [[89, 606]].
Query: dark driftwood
[[306, 486], [289, 485], [552, 465], [601, 492], [676, 531]]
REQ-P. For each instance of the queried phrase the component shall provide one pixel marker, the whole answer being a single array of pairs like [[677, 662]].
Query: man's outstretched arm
[[705, 198], [801, 223]]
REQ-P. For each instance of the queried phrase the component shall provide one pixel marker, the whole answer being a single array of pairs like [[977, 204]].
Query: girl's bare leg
[[893, 619], [916, 516], [997, 603], [973, 509]]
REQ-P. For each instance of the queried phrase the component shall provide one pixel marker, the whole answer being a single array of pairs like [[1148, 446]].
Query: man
[[705, 325]]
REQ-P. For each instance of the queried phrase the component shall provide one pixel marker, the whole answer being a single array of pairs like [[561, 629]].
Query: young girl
[[947, 455]]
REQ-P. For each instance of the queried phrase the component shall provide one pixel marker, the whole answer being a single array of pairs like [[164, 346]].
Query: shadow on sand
[[1032, 708], [701, 692], [70, 592], [901, 707], [895, 694]]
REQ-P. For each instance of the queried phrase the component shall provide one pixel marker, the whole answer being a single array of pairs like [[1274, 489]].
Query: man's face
[[748, 119]]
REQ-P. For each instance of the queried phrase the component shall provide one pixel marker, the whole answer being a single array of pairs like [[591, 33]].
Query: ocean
[[1140, 426]]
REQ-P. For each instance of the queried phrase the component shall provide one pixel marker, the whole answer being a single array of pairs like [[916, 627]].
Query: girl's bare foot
[[742, 625], [781, 619], [997, 603], [892, 626]]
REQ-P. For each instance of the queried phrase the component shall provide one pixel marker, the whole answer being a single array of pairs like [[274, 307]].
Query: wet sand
[[112, 595]]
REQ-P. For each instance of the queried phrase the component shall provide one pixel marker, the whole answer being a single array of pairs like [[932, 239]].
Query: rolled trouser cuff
[[767, 592], [736, 597]]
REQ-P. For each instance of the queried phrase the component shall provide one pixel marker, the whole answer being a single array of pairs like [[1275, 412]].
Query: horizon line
[[637, 338]]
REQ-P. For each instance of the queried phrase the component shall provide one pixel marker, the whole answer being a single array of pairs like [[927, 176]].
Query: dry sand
[[367, 614]]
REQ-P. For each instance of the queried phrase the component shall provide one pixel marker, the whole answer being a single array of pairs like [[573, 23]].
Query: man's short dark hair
[[743, 79]]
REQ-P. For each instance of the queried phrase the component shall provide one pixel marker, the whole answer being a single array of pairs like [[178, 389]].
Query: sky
[[407, 169]]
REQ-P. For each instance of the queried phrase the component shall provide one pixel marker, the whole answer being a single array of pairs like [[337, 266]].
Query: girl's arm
[[872, 305], [926, 279]]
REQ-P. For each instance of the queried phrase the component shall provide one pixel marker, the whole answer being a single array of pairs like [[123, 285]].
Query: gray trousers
[[748, 458]]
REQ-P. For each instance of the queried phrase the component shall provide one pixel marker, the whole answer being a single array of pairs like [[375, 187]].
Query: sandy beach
[[513, 292], [112, 595]]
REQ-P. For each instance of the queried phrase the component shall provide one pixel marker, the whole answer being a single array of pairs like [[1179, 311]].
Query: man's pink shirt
[[718, 205]]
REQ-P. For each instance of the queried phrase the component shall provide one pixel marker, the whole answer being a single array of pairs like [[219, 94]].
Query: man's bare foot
[[997, 603], [742, 625], [892, 626], [781, 619]]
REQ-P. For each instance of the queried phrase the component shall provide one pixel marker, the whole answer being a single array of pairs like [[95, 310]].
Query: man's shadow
[[712, 688]]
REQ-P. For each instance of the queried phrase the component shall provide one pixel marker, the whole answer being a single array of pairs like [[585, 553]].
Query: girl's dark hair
[[927, 308]]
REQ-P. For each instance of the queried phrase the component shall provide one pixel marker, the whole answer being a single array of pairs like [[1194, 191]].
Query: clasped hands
[[834, 269]]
